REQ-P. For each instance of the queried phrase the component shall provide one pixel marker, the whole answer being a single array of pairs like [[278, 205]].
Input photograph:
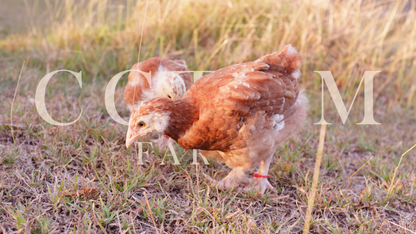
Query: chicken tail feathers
[[287, 61]]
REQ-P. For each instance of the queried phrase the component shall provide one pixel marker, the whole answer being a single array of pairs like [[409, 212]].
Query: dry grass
[[81, 178]]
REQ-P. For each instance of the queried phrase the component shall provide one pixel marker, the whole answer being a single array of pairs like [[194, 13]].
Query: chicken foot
[[233, 180], [261, 184]]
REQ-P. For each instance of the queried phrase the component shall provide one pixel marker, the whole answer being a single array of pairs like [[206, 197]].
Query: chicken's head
[[170, 85], [150, 119]]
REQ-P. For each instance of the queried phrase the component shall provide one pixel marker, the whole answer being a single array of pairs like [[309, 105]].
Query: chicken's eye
[[169, 97], [141, 124]]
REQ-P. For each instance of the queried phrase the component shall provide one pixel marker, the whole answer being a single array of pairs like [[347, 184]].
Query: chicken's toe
[[234, 179], [209, 178], [261, 184], [227, 184]]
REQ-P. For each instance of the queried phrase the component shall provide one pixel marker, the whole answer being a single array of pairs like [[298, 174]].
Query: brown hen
[[239, 114], [168, 78]]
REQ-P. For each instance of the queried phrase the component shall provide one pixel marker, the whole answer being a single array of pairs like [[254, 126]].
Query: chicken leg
[[259, 183]]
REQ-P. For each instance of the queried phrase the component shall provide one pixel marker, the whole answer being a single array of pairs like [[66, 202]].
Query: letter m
[[339, 104]]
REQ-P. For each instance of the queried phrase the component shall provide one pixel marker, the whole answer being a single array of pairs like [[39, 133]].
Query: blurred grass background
[[102, 38]]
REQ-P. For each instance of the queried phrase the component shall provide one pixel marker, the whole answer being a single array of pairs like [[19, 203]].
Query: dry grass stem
[[311, 198]]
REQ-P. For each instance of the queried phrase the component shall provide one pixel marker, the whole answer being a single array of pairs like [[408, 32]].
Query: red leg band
[[260, 176]]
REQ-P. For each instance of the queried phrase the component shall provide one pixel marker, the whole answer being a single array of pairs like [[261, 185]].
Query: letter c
[[40, 97]]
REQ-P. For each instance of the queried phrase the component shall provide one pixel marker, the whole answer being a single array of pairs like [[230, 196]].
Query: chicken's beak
[[131, 137]]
